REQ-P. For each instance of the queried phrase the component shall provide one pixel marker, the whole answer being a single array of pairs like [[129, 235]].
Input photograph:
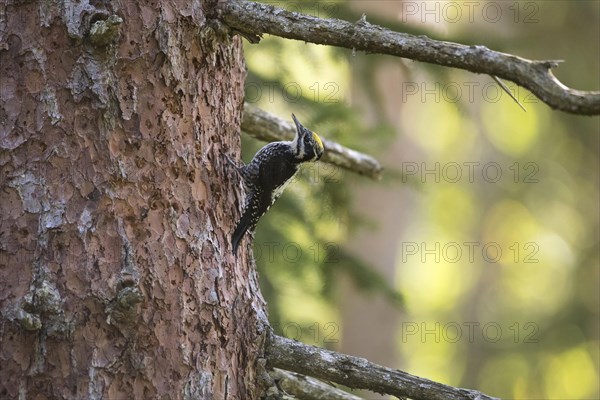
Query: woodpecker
[[270, 170]]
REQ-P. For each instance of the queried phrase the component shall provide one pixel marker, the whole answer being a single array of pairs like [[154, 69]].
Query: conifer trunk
[[116, 274]]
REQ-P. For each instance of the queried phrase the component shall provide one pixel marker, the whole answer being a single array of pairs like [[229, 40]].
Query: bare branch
[[308, 388], [359, 373], [256, 19], [265, 126]]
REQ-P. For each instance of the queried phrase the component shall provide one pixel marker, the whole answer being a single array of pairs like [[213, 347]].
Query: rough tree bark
[[116, 276]]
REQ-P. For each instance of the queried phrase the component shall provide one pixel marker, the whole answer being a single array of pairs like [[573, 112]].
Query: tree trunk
[[116, 273]]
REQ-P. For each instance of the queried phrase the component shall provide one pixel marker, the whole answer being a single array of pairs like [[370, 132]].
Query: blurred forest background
[[475, 261]]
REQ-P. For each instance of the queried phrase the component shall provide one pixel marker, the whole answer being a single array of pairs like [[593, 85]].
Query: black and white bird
[[270, 170]]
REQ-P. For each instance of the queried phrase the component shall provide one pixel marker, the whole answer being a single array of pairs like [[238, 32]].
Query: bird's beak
[[298, 124]]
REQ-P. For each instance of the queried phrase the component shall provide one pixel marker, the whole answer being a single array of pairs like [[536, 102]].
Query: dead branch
[[308, 388], [254, 19], [359, 373]]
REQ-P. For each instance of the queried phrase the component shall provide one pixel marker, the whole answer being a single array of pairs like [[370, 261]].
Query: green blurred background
[[475, 261]]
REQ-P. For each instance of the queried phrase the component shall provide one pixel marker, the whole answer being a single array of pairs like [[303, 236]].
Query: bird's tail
[[245, 223], [237, 236]]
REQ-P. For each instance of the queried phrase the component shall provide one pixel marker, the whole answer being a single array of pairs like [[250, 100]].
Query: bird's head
[[307, 144]]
